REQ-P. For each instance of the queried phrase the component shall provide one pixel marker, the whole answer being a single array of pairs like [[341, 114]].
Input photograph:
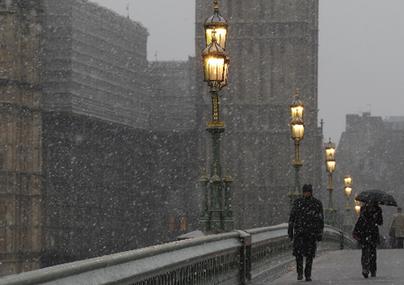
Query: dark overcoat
[[306, 225], [366, 229]]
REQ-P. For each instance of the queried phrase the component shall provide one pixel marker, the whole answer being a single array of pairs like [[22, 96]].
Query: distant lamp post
[[348, 222], [330, 164], [297, 133], [217, 214]]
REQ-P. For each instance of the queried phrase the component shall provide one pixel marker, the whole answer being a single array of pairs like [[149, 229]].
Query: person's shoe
[[365, 274], [299, 277], [308, 279], [373, 274]]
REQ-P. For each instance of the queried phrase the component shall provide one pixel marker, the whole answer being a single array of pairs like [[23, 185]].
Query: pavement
[[343, 267]]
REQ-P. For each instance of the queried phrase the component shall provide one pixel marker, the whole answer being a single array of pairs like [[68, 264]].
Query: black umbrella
[[378, 196]]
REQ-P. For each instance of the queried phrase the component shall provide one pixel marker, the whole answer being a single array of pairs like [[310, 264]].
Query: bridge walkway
[[343, 267]]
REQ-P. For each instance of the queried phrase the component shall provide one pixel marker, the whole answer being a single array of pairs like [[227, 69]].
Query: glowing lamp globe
[[358, 209], [331, 165], [215, 63], [348, 181], [296, 108], [297, 130], [216, 24], [330, 151], [348, 191]]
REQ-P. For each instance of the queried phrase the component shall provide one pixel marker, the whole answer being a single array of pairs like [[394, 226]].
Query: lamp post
[[348, 192], [217, 214], [297, 133], [330, 167]]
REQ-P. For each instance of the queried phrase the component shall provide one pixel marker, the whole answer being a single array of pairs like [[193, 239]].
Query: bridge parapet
[[230, 258], [271, 249]]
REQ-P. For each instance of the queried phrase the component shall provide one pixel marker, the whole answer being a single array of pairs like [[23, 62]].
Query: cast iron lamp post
[[297, 132], [330, 167], [348, 192], [217, 214]]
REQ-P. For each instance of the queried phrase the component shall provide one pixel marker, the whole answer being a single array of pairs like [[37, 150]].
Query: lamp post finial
[[297, 92], [216, 5]]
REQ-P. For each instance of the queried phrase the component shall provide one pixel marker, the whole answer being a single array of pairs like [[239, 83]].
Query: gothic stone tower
[[273, 48], [20, 136]]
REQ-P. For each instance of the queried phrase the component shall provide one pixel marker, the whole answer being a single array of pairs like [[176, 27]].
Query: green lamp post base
[[330, 216], [348, 221]]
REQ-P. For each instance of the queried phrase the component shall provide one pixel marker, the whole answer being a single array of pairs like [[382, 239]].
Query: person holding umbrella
[[366, 230]]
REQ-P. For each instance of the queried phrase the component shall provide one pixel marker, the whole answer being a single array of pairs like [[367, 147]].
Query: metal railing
[[230, 258]]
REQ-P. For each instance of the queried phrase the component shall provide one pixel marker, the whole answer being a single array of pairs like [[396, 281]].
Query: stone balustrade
[[230, 258]]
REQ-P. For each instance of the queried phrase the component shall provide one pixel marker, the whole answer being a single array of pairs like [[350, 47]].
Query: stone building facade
[[84, 160], [172, 99], [21, 163], [90, 57], [371, 151], [94, 138], [273, 47]]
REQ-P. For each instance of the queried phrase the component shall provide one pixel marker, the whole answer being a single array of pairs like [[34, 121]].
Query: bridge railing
[[229, 258]]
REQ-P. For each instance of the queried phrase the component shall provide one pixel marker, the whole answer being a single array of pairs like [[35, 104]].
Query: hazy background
[[361, 65]]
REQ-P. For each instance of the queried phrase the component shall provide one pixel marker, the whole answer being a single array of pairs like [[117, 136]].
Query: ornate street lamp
[[217, 215], [297, 133], [348, 192], [330, 168]]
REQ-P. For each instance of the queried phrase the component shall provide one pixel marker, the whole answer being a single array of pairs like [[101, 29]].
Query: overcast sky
[[361, 60]]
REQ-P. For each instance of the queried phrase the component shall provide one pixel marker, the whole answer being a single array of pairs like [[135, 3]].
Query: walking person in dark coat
[[366, 231], [306, 224], [397, 230]]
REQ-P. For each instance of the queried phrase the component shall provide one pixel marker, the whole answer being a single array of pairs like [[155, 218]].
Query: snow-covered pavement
[[343, 267]]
